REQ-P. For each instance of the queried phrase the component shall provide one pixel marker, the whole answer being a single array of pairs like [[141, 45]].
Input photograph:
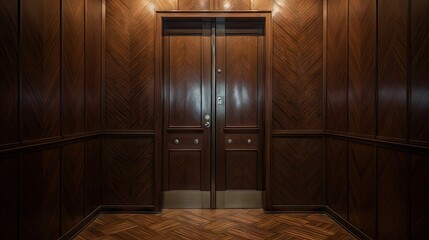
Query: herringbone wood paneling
[[336, 176], [393, 189], [129, 64], [297, 64], [419, 179], [8, 198], [419, 71], [73, 66], [262, 5], [362, 67], [93, 62], [39, 195], [362, 188], [392, 68], [336, 66], [214, 224], [9, 71], [297, 171], [72, 185], [127, 170], [166, 4], [40, 68], [92, 175], [234, 4], [194, 4]]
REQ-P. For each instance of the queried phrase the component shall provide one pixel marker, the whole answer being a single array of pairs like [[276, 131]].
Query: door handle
[[207, 124]]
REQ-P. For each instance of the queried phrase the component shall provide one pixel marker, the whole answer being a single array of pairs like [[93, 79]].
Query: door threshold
[[186, 199]]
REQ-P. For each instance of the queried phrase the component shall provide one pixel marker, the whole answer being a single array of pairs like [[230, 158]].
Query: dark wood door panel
[[336, 176], [40, 69], [8, 198], [241, 81], [393, 189], [72, 185], [185, 96], [39, 195], [9, 71], [241, 169], [362, 187], [185, 170]]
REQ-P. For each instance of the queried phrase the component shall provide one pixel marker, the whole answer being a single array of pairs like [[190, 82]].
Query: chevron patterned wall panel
[[194, 4], [9, 71], [127, 169], [8, 197], [129, 64], [298, 65]]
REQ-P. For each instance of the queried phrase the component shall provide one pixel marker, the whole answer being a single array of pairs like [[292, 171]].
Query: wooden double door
[[213, 97]]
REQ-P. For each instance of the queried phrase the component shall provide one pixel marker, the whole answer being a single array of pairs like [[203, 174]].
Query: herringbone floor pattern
[[214, 224]]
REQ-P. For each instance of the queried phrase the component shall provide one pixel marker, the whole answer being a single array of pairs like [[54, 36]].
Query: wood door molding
[[206, 15]]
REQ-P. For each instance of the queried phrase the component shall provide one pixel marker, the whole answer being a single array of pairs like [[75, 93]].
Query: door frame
[[159, 95]]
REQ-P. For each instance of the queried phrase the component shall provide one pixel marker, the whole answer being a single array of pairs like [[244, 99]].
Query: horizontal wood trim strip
[[380, 141], [48, 143], [129, 133], [296, 208]]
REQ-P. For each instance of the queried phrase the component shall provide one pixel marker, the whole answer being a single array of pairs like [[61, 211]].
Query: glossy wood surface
[[214, 224], [393, 68], [9, 71], [9, 198], [39, 195], [419, 191], [393, 189], [362, 67], [72, 185], [40, 69], [419, 85], [129, 65], [127, 171], [241, 170], [93, 65], [297, 65], [336, 66], [93, 184], [337, 176], [297, 171], [234, 4], [362, 188], [185, 170], [73, 66], [194, 4]]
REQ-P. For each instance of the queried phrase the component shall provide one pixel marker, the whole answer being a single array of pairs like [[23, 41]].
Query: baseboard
[[106, 209], [82, 225], [346, 225]]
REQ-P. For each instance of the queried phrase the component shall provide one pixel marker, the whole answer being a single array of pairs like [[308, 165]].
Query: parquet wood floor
[[214, 224]]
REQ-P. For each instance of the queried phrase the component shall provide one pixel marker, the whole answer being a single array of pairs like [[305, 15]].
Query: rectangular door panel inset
[[186, 80], [185, 170], [241, 169], [241, 96]]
